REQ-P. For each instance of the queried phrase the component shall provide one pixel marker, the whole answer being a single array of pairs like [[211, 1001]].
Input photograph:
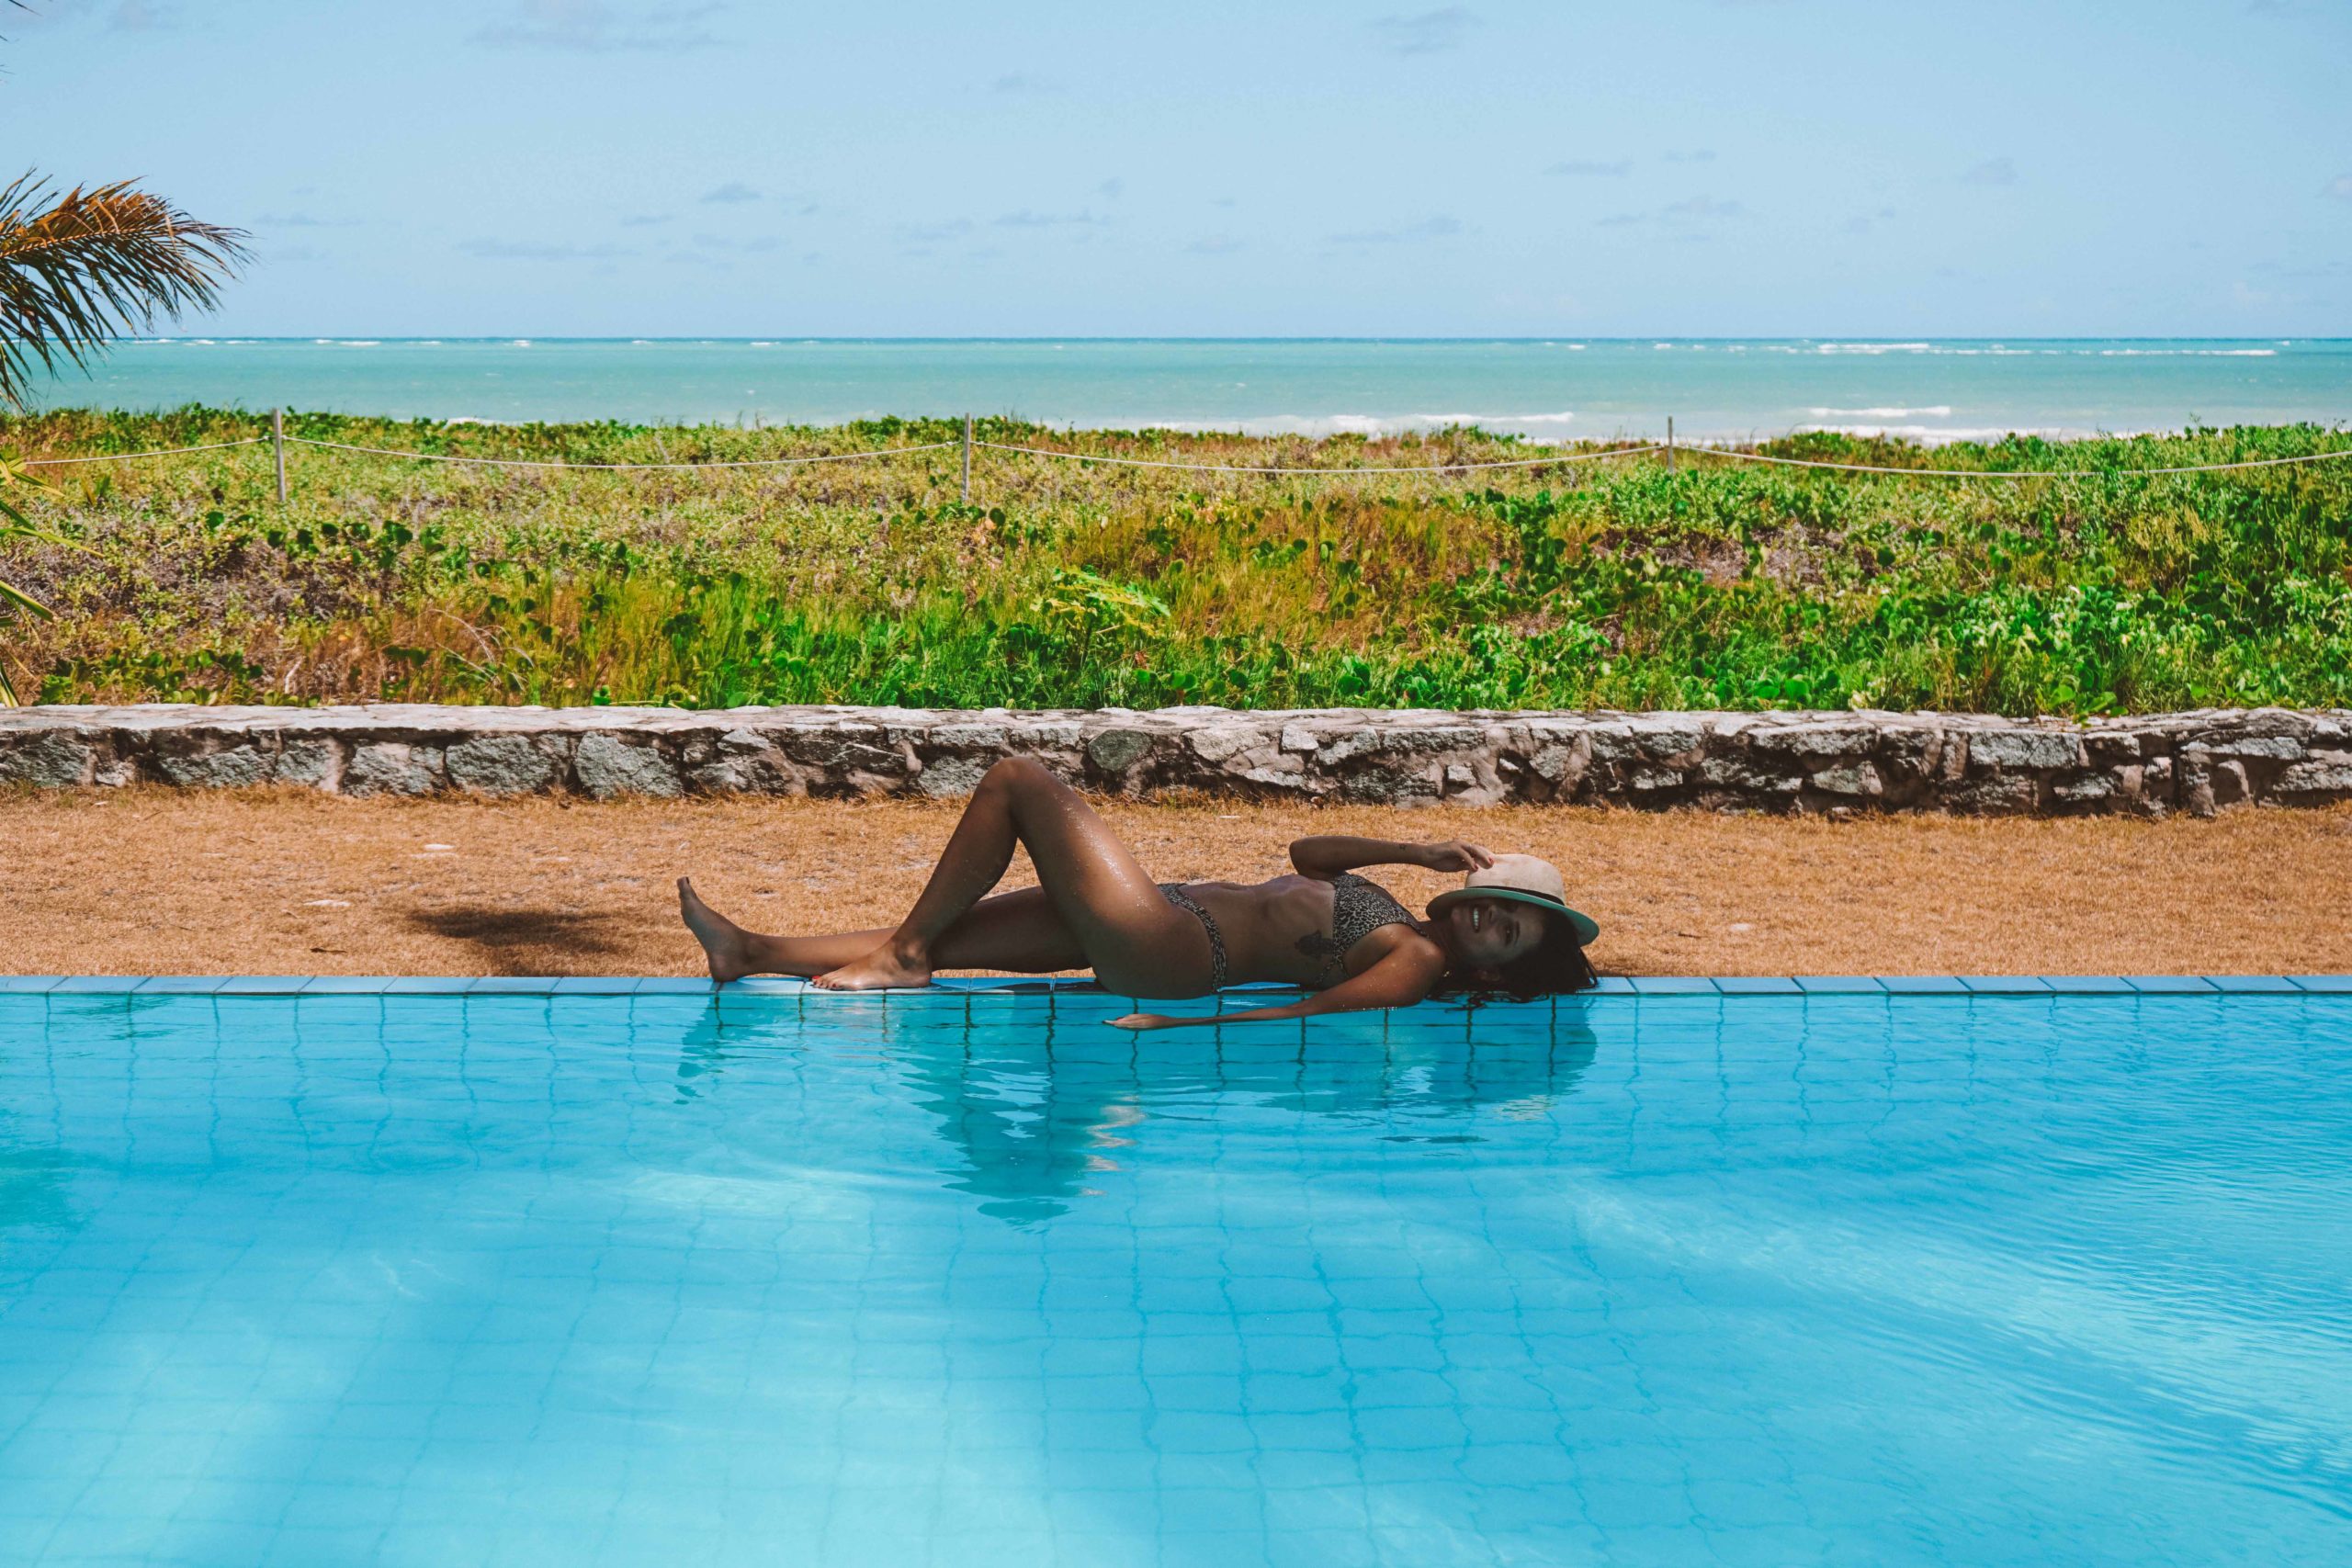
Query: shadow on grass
[[526, 941]]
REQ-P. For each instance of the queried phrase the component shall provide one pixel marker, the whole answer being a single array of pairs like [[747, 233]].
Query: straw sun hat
[[1521, 879]]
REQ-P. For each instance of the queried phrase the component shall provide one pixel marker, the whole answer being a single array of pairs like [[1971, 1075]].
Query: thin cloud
[[1617, 169], [1429, 32], [1687, 217], [1024, 219], [1024, 84], [932, 233], [1692, 155], [647, 220], [2340, 188], [144, 17], [541, 250], [1863, 222], [743, 247], [303, 221], [731, 192], [1112, 188], [592, 26], [1433, 227], [1991, 172], [2325, 269], [1702, 207], [1213, 245]]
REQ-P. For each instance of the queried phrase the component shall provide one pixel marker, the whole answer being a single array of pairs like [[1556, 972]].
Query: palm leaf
[[81, 270], [15, 524]]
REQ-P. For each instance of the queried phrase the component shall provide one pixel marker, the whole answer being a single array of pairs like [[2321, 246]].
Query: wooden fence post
[[1669, 444], [278, 448], [968, 460]]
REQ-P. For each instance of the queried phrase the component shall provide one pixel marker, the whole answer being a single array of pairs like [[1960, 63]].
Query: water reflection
[[1039, 1099]]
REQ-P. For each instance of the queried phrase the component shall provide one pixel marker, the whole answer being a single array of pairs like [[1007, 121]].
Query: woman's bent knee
[[1016, 772]]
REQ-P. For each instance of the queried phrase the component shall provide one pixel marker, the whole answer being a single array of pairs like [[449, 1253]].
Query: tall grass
[[1613, 585]]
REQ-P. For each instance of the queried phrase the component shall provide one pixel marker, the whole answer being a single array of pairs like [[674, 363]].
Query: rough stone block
[[1051, 734], [2005, 794], [389, 767], [504, 764], [1860, 780], [317, 763], [2327, 777], [1117, 750], [1663, 741], [849, 746], [1561, 765], [1392, 786], [1731, 774], [1215, 743], [48, 762], [2086, 790], [2284, 748], [952, 778], [2024, 749], [766, 772], [238, 767], [1610, 742], [1813, 741], [989, 738], [1908, 753], [610, 766]]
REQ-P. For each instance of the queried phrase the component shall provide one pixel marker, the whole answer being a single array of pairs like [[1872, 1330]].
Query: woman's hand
[[1140, 1022], [1452, 854]]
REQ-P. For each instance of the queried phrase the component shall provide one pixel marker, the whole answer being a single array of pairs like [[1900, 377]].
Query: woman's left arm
[[1405, 974], [1326, 855]]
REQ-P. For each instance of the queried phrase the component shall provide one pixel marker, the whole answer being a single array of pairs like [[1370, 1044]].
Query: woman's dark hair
[[1553, 968]]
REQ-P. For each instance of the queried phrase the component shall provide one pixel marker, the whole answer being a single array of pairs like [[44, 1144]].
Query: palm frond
[[15, 524], [80, 270]]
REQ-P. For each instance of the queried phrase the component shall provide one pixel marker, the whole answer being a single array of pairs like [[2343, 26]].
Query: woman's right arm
[[1406, 974], [1326, 855]]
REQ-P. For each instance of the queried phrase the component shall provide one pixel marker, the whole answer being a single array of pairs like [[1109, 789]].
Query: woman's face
[[1491, 932]]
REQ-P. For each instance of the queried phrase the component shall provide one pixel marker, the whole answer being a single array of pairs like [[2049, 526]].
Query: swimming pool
[[967, 1277]]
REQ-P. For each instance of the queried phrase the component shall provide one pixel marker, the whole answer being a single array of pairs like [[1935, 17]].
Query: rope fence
[[614, 467], [278, 441], [159, 452], [1563, 459]]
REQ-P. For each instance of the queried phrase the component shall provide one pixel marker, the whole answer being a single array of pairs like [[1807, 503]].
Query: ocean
[[1548, 389]]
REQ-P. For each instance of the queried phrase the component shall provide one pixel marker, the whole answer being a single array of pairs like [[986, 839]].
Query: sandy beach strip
[[151, 882]]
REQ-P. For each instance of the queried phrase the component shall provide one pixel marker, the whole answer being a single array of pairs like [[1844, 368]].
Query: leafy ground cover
[[1614, 584]]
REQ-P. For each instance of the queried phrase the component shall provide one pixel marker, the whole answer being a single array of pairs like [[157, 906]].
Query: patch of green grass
[[1610, 584]]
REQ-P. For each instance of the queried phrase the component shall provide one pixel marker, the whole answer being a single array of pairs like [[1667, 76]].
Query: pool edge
[[1740, 986]]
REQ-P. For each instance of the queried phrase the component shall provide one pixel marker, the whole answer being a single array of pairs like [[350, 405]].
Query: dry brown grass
[[154, 881]]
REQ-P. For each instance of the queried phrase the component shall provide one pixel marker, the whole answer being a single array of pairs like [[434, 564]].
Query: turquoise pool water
[[971, 1278]]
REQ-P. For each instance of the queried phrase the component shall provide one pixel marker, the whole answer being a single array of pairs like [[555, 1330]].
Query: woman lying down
[[1507, 929]]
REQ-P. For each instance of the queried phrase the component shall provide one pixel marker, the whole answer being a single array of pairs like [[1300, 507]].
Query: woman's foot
[[879, 970], [726, 944]]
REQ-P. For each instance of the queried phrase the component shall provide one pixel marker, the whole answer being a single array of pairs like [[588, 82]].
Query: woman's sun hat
[[1522, 879]]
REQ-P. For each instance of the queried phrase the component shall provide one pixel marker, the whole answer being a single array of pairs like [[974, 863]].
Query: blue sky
[[1726, 167]]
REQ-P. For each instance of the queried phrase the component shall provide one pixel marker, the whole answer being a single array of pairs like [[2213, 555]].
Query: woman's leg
[[1132, 938], [1019, 932]]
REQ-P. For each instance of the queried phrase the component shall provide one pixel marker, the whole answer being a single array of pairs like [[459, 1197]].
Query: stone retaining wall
[[2197, 762]]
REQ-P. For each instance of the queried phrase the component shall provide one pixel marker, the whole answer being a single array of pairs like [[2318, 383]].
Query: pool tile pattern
[[1698, 1275]]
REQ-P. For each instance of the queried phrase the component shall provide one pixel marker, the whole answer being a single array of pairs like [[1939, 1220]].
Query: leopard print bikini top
[[1358, 908]]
